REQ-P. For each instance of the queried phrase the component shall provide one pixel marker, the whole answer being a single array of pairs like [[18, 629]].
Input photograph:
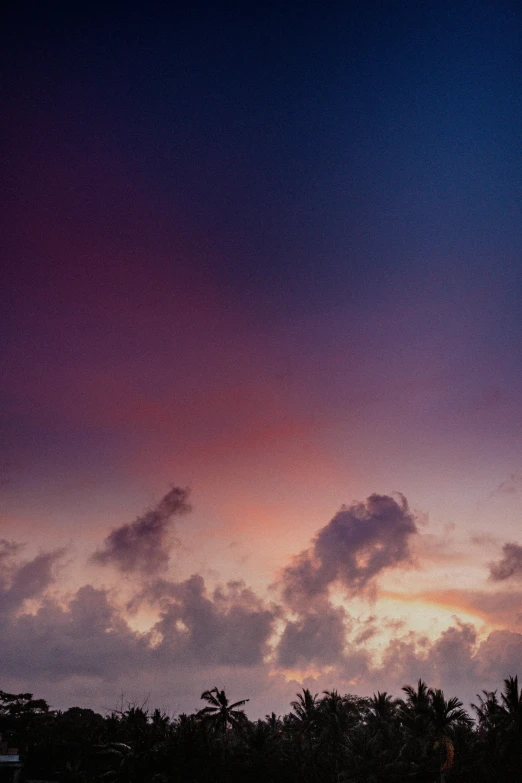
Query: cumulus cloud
[[452, 656], [143, 546], [232, 626], [448, 662], [89, 637], [85, 637], [19, 582], [32, 578], [353, 548], [499, 656], [86, 647], [510, 565], [319, 638]]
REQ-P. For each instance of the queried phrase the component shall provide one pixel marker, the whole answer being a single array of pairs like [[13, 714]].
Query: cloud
[[367, 630], [452, 656], [27, 580], [353, 548], [32, 578], [499, 656], [143, 545], [85, 637], [317, 638], [82, 650], [8, 549], [230, 627], [84, 646], [448, 662], [510, 565]]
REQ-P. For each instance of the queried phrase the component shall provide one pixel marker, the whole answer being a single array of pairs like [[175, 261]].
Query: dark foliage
[[333, 738]]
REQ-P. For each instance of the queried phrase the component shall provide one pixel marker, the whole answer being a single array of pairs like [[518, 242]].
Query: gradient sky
[[269, 253]]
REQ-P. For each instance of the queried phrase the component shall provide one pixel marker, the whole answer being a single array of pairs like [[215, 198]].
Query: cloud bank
[[83, 648]]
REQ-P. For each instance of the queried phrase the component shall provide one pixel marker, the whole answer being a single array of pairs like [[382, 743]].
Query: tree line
[[422, 737]]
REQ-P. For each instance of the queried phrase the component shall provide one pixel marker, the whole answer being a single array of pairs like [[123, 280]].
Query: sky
[[261, 393]]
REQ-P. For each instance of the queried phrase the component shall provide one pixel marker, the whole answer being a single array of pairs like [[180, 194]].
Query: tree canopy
[[424, 737]]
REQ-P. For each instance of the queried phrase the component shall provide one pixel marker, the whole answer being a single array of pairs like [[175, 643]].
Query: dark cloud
[[144, 545], [86, 637], [32, 578], [230, 627], [456, 661], [403, 660], [447, 662], [26, 580], [499, 656], [317, 638], [357, 544], [510, 565], [89, 637], [451, 657]]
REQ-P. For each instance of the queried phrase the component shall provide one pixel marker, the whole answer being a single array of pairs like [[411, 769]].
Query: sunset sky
[[261, 409]]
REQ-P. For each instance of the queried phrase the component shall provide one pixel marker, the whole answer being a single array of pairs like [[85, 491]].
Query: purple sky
[[263, 261]]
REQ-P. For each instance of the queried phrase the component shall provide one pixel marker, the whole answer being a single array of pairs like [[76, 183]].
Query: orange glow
[[300, 675], [449, 602]]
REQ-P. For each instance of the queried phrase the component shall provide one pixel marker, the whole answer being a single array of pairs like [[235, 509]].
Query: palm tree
[[383, 708], [220, 713], [336, 711], [335, 718], [274, 722], [414, 714], [509, 720], [414, 711], [305, 719], [305, 709], [432, 722], [496, 716], [511, 704], [263, 745], [121, 759], [445, 717], [487, 711]]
